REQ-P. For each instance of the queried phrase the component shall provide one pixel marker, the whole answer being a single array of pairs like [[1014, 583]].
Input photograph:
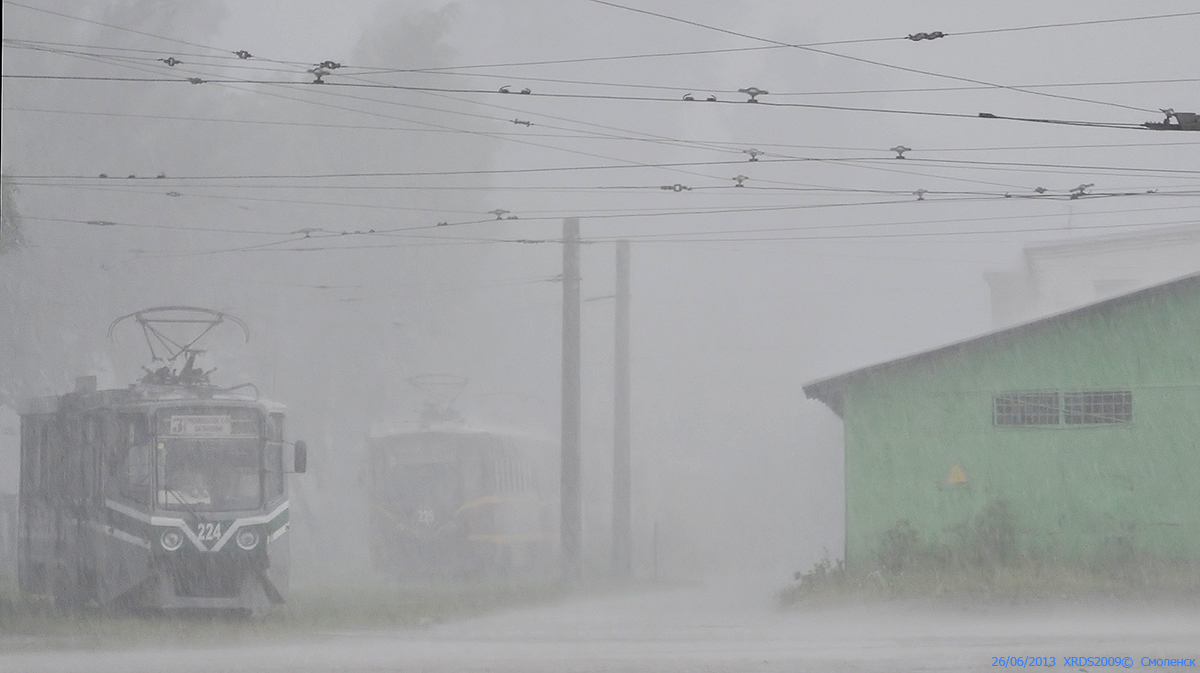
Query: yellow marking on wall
[[956, 476]]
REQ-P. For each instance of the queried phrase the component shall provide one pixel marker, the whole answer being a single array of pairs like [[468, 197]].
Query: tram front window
[[209, 475], [210, 462], [429, 492]]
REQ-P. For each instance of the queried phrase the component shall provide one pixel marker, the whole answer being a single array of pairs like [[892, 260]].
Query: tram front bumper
[[213, 581]]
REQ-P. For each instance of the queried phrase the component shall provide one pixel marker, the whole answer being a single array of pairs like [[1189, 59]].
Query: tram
[[454, 502], [168, 494]]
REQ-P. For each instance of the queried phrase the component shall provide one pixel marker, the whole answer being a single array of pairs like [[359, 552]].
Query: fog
[[401, 217]]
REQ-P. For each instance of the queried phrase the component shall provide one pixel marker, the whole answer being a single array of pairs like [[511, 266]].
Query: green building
[[1085, 423]]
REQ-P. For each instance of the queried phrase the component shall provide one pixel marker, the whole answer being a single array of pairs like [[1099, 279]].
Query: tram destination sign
[[202, 426]]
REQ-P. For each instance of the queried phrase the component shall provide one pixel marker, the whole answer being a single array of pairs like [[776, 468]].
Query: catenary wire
[[759, 104], [585, 136], [941, 176], [593, 83], [863, 60]]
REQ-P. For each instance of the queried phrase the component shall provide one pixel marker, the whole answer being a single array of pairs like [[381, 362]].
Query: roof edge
[[829, 389]]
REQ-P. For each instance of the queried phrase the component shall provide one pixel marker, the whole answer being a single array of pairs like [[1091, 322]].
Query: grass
[[1016, 581], [406, 607], [35, 623], [980, 558]]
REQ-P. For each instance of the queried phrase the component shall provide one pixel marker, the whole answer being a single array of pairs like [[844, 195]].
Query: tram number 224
[[207, 532]]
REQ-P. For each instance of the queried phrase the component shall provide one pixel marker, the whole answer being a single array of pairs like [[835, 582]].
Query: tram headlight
[[171, 539], [247, 539]]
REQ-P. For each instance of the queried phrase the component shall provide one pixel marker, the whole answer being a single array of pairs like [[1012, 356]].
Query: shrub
[[902, 549], [995, 537], [980, 559], [826, 576]]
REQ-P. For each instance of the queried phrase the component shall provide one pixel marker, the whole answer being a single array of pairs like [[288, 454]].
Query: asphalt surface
[[719, 627]]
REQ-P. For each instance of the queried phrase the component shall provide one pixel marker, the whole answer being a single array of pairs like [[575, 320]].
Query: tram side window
[[506, 471], [503, 477], [93, 443], [71, 459], [129, 464], [533, 476], [273, 459], [52, 460], [41, 456], [471, 468], [487, 476], [520, 478], [33, 448], [512, 469], [491, 472], [512, 472]]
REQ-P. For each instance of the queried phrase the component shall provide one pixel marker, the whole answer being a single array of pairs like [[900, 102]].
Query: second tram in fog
[[451, 502]]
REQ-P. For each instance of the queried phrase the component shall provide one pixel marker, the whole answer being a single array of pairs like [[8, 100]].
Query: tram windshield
[[435, 487], [429, 475], [209, 459]]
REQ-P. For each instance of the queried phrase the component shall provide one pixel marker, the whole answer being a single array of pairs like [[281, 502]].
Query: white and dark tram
[[451, 501], [171, 493]]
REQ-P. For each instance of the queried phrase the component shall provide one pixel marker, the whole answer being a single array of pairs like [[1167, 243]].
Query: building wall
[[1063, 275], [1072, 489]]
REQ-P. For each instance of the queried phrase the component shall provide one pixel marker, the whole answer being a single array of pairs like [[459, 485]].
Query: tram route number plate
[[208, 532], [202, 426]]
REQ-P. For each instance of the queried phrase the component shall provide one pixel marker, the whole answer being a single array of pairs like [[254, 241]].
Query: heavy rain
[[578, 335]]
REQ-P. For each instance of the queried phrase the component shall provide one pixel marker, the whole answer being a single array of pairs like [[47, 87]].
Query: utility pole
[[621, 518], [571, 509]]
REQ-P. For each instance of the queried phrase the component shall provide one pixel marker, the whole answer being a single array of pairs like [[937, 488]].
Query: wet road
[[728, 627]]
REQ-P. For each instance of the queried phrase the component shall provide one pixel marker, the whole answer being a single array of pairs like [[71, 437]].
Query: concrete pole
[[621, 518], [571, 510]]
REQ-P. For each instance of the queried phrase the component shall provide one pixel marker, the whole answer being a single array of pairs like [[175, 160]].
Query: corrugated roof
[[829, 390]]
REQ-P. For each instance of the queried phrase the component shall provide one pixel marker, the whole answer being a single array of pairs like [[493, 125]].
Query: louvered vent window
[[1072, 408], [1114, 406], [1026, 409]]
